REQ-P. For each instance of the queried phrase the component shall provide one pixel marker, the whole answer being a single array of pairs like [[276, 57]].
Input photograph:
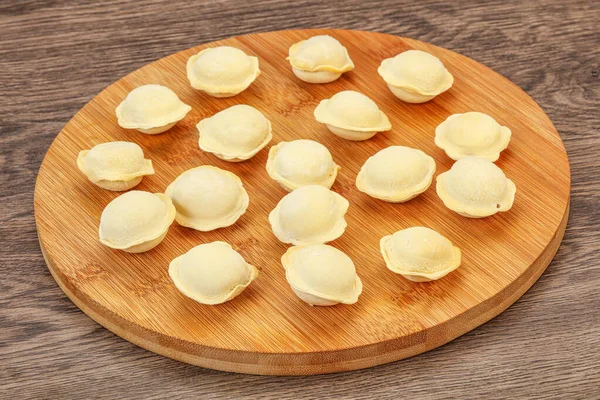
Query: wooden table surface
[[55, 56]]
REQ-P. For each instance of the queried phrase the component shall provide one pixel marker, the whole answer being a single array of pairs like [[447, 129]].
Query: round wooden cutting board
[[267, 329]]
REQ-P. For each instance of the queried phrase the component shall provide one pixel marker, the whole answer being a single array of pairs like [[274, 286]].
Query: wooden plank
[[267, 330]]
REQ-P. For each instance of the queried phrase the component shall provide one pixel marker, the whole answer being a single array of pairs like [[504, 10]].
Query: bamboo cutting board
[[267, 329]]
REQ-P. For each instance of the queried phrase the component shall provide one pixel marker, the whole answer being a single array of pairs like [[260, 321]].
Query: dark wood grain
[[55, 56]]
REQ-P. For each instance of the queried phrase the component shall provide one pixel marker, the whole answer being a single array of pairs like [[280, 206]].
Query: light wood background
[[545, 345]]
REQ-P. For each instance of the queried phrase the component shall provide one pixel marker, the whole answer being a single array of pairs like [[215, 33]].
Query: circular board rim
[[306, 363]]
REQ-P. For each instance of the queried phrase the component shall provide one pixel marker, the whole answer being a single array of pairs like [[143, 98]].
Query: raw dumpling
[[475, 187], [235, 134], [300, 163], [320, 59], [419, 254], [472, 134], [352, 115], [321, 275], [309, 215], [136, 221], [115, 166], [415, 76], [222, 71], [207, 198], [151, 109], [396, 174], [211, 273]]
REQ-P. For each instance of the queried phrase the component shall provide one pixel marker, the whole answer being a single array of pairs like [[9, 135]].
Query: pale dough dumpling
[[115, 166], [235, 134], [136, 221], [321, 275], [320, 59], [475, 187], [222, 71], [396, 174], [352, 115], [151, 109], [472, 134], [419, 254], [208, 198], [415, 76], [309, 215], [300, 163], [211, 273]]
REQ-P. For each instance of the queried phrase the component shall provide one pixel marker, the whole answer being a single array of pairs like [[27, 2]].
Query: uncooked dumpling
[[151, 109], [211, 273], [352, 115], [136, 221], [300, 163], [207, 198], [475, 187], [415, 76], [419, 254], [222, 71], [115, 166], [472, 134], [235, 134], [321, 275], [320, 59], [309, 215], [396, 174]]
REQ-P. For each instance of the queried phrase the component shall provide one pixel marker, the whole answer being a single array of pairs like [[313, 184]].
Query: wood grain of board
[[267, 330]]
